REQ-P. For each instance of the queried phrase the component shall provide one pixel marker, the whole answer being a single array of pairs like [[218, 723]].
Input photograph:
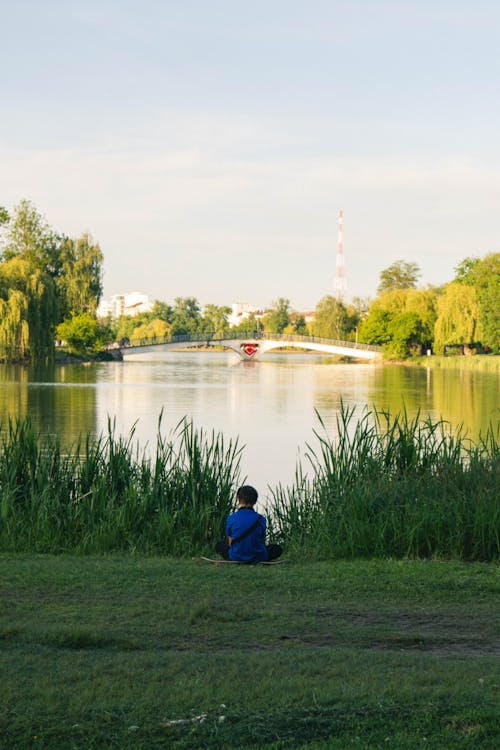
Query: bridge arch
[[255, 344]]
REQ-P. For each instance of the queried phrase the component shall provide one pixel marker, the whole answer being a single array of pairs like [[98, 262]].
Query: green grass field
[[125, 652]]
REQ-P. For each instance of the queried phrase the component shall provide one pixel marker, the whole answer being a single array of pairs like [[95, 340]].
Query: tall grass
[[386, 486], [104, 495], [391, 486]]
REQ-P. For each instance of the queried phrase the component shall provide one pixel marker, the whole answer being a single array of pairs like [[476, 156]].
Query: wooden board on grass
[[239, 562]]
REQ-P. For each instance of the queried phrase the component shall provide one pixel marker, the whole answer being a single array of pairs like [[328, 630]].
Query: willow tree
[[458, 317], [59, 277], [484, 275], [13, 326], [28, 310], [151, 329]]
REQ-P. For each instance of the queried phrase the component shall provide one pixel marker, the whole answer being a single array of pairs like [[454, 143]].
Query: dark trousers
[[273, 550]]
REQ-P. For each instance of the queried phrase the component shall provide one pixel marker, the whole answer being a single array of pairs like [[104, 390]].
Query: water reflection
[[60, 400], [269, 404]]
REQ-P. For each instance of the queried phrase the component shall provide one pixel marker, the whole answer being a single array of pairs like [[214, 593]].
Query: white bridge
[[251, 346]]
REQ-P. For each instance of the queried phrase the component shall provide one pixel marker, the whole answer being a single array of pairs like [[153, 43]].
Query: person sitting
[[246, 532]]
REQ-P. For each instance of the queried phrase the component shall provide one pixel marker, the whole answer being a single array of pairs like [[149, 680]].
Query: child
[[246, 532]]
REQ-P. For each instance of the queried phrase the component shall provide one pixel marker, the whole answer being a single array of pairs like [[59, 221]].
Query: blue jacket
[[253, 547]]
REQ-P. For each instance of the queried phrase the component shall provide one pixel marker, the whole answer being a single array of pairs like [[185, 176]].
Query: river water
[[269, 404]]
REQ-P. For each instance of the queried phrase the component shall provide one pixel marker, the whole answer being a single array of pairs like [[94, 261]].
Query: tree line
[[51, 285], [463, 314], [45, 279], [403, 319]]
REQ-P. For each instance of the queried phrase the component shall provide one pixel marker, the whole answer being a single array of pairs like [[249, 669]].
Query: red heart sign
[[250, 349]]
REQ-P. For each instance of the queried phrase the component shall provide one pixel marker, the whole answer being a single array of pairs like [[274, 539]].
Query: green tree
[[298, 324], [375, 328], [248, 325], [31, 238], [392, 304], [27, 292], [361, 306], [186, 316], [405, 333], [80, 333], [161, 311], [331, 319], [14, 331], [79, 281], [215, 319], [152, 329], [458, 317], [278, 318], [423, 302], [399, 275], [484, 275]]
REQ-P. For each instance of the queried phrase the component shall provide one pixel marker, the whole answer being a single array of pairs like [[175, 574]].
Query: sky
[[208, 145]]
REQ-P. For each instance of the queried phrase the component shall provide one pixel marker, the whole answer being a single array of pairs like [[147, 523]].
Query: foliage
[[297, 325], [103, 495], [56, 277], [458, 317], [30, 237], [248, 325], [14, 332], [406, 332], [375, 328], [388, 486], [151, 329], [80, 276], [28, 307], [331, 319], [484, 275], [399, 275], [278, 318], [162, 310], [186, 316], [402, 319], [215, 319], [80, 333]]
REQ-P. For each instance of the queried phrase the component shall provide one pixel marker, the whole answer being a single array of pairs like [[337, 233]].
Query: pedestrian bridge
[[251, 346]]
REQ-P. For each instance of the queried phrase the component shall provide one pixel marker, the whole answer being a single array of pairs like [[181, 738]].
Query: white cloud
[[204, 213]]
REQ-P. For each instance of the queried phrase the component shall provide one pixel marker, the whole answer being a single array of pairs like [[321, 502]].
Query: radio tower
[[340, 277]]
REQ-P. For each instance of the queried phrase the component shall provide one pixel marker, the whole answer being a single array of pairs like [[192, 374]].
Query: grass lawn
[[124, 652]]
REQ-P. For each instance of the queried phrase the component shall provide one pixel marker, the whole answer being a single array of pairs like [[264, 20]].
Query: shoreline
[[476, 362]]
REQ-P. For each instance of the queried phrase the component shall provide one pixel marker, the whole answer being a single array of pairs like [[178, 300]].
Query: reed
[[385, 486], [391, 486], [105, 495]]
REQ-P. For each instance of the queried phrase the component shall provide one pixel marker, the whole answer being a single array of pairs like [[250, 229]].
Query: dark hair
[[247, 495]]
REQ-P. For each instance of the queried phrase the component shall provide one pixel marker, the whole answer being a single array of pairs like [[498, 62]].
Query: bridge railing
[[209, 337]]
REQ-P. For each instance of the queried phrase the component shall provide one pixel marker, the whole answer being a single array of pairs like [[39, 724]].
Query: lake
[[269, 404]]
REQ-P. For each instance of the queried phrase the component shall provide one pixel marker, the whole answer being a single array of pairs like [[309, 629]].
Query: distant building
[[131, 304], [241, 311]]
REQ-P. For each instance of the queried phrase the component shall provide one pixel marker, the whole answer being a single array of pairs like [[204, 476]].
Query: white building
[[241, 311], [132, 304]]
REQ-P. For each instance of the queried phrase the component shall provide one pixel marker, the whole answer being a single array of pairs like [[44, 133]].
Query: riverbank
[[124, 652], [477, 362]]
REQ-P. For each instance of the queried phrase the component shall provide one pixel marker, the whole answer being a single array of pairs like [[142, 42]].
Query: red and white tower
[[339, 276]]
